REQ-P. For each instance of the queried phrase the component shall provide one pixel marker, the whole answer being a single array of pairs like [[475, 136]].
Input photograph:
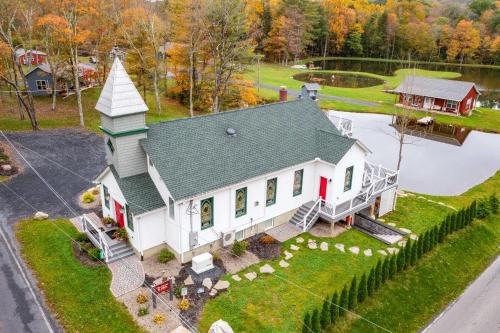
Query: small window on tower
[[110, 146]]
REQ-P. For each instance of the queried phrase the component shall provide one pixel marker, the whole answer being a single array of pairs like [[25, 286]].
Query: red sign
[[162, 287]]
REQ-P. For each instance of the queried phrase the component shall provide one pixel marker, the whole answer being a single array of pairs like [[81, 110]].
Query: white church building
[[196, 184]]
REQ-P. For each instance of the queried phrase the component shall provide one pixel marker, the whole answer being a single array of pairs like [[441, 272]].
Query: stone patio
[[234, 264], [284, 232], [324, 229]]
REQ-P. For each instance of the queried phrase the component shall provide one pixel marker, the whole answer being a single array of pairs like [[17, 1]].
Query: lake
[[487, 79], [339, 79], [436, 162]]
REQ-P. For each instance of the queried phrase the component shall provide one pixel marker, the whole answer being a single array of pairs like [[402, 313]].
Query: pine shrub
[[370, 284], [473, 210], [420, 246], [344, 301], [315, 324], [442, 228], [334, 308], [325, 313], [385, 270], [400, 261], [436, 235], [378, 274], [493, 203], [483, 209], [393, 267], [306, 325], [362, 289], [353, 294]]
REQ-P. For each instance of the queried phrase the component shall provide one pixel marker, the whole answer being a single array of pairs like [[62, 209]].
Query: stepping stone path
[[288, 255], [382, 252], [299, 240], [236, 277], [402, 243], [267, 269], [413, 236], [283, 263], [405, 230], [391, 224], [368, 252], [340, 247], [221, 285], [213, 292], [323, 246], [189, 281], [207, 283], [312, 244], [251, 276], [392, 250], [354, 249], [294, 247]]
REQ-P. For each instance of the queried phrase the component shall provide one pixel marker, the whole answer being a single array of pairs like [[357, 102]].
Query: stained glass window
[[207, 213], [348, 178], [297, 182], [271, 191], [241, 202], [106, 195], [130, 218]]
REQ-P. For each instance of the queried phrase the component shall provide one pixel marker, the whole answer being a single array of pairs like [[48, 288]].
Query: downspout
[[139, 227], [180, 235]]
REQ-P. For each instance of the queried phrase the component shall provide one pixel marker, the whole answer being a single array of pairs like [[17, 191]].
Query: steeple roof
[[119, 96]]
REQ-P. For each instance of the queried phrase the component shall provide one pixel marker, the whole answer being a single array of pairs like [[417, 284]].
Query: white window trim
[[39, 84], [271, 226], [242, 235], [451, 104]]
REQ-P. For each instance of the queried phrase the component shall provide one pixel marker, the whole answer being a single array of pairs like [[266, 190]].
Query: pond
[[487, 79], [444, 160], [339, 79]]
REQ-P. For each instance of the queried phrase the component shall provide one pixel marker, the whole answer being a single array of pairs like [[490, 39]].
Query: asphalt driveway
[[68, 159]]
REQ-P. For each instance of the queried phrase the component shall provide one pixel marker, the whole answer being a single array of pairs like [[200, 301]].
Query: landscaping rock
[[221, 285], [181, 329], [41, 216], [267, 269], [251, 276], [341, 247], [207, 283], [413, 236], [283, 263], [299, 240], [354, 249], [407, 231], [382, 252], [392, 250], [391, 224], [368, 252], [189, 281], [312, 245], [381, 220], [323, 246], [294, 247], [236, 277], [213, 292], [288, 255], [6, 167]]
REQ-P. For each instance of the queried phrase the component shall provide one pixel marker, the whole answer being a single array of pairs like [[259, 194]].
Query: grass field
[[276, 75], [276, 303], [78, 295]]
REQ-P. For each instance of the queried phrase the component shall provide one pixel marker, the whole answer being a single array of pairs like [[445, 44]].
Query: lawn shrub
[[306, 325], [385, 270], [325, 313], [142, 298], [184, 304], [142, 312], [94, 253], [165, 256], [413, 255], [315, 324], [400, 260], [239, 247], [344, 301], [370, 284], [88, 197], [334, 308], [81, 237], [362, 289], [378, 275], [353, 294], [393, 268], [493, 203], [483, 209], [420, 246], [158, 318]]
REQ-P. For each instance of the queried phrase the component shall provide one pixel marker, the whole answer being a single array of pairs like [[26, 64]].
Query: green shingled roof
[[195, 155], [140, 192]]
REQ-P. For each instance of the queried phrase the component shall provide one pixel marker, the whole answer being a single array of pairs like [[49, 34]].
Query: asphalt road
[[477, 310], [21, 307]]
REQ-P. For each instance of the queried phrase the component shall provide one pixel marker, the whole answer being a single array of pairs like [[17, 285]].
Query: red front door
[[322, 187], [119, 215]]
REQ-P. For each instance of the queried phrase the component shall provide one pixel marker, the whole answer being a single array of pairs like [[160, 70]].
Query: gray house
[[40, 80]]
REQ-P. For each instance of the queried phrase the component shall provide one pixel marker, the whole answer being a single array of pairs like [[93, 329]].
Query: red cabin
[[437, 95], [33, 57]]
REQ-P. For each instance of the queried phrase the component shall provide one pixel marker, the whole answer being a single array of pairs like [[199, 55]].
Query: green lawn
[[276, 75], [277, 303], [66, 114], [78, 295]]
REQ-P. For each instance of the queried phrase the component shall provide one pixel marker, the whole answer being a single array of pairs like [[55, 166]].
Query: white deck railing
[[343, 125], [376, 179], [96, 235]]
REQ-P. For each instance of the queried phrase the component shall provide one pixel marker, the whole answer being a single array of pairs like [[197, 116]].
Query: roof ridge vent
[[231, 132]]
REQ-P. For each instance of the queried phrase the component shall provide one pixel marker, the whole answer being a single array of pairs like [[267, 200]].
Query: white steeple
[[119, 96]]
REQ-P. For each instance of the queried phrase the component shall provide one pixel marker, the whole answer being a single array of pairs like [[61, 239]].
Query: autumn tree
[[464, 42]]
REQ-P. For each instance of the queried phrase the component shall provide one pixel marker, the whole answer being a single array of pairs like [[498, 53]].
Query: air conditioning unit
[[228, 238]]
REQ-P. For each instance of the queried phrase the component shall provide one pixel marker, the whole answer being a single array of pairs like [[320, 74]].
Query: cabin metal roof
[[438, 88], [196, 155]]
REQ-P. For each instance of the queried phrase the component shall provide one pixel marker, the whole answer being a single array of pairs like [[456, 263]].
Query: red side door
[[322, 187], [119, 215]]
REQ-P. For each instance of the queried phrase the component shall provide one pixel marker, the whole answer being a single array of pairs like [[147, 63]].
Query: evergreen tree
[[306, 325], [370, 284], [467, 216], [420, 246], [408, 248], [493, 203], [362, 289], [393, 267], [414, 255], [436, 235], [315, 324], [385, 269], [442, 228], [344, 301], [325, 313], [425, 248], [353, 294], [378, 275], [473, 210], [461, 219], [453, 223], [400, 261], [334, 308]]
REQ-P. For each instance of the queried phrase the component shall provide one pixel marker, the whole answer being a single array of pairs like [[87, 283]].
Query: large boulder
[[41, 216]]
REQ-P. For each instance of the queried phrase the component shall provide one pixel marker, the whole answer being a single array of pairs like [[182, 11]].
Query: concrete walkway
[[128, 275], [295, 93], [476, 310]]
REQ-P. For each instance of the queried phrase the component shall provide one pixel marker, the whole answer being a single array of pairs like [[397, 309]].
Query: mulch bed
[[83, 256], [262, 250]]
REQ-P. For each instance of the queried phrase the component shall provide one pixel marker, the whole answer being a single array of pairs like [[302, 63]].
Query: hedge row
[[354, 293]]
